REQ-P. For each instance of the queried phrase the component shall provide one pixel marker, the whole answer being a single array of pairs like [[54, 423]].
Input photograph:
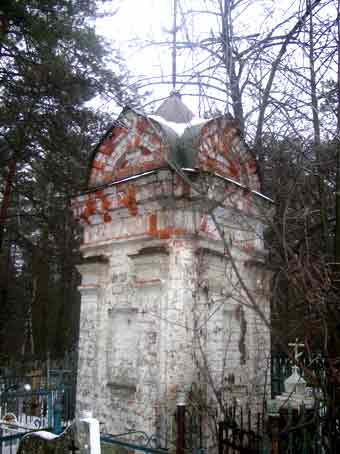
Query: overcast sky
[[139, 21]]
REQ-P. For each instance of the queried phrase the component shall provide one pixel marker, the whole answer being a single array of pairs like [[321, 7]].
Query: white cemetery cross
[[296, 346], [295, 387], [82, 437], [295, 383]]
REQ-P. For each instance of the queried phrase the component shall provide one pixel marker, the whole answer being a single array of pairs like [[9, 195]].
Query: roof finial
[[174, 47]]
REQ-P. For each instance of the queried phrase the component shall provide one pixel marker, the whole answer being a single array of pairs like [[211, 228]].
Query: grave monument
[[173, 291]]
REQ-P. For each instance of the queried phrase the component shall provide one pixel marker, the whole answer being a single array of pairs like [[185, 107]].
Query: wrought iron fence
[[118, 443], [290, 431], [281, 368], [34, 402], [9, 443], [36, 409]]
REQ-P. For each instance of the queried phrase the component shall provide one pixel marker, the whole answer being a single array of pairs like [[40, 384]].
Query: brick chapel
[[173, 291]]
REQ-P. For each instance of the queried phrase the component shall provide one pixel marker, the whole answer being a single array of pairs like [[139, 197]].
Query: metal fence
[[281, 369], [9, 443], [113, 444], [288, 432], [37, 409], [33, 402]]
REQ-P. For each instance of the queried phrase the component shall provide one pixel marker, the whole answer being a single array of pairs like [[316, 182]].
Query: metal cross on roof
[[296, 346], [174, 47]]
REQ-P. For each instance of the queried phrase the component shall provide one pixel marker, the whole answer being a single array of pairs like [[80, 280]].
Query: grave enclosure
[[35, 393]]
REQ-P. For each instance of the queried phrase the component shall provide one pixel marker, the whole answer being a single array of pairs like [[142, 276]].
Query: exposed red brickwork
[[140, 147], [129, 200], [129, 170], [235, 168], [85, 218], [107, 218], [164, 233], [97, 203], [107, 178], [142, 125], [222, 151], [97, 165], [145, 151], [153, 224], [137, 141], [182, 188], [89, 209], [169, 232], [127, 151], [248, 247], [106, 147], [104, 201]]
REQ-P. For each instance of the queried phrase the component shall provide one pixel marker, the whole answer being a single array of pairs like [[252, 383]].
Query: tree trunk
[[337, 192], [229, 61], [266, 93], [12, 167], [316, 127]]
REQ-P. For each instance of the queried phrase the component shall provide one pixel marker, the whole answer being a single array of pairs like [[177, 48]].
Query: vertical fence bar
[[318, 432], [257, 434], [48, 370], [1, 442], [304, 430], [220, 438], [290, 433], [275, 435], [50, 409], [180, 420], [57, 417]]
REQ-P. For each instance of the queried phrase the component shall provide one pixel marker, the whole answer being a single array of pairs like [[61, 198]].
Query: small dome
[[295, 382], [173, 109]]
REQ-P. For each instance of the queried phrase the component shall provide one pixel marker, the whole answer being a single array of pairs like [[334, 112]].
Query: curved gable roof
[[134, 144], [137, 143]]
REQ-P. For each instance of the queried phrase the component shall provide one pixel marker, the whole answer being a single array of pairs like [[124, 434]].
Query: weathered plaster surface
[[162, 306]]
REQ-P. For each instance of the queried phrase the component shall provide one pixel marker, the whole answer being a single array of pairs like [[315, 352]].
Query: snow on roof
[[178, 128]]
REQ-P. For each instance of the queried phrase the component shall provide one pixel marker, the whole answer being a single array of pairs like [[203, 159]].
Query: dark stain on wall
[[239, 313]]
